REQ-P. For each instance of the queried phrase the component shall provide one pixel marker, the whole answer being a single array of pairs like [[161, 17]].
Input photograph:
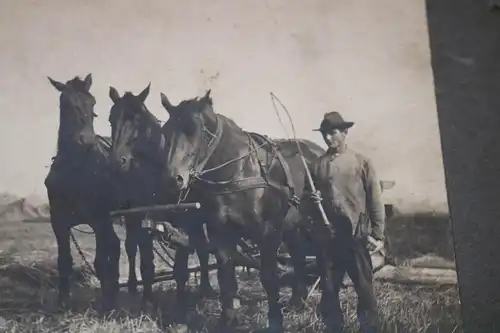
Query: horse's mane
[[78, 84], [104, 141], [129, 97], [230, 122]]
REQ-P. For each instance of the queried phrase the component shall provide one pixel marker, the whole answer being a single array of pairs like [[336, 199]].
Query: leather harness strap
[[238, 185]]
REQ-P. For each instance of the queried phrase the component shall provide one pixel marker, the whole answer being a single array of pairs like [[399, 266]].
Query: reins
[[234, 184], [197, 171]]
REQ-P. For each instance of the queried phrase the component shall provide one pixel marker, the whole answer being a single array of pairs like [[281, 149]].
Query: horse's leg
[[181, 276], [131, 243], [100, 264], [201, 245], [114, 251], [295, 242], [270, 280], [147, 264], [64, 259], [227, 281], [103, 269]]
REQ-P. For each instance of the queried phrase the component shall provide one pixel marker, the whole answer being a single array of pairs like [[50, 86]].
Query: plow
[[167, 238]]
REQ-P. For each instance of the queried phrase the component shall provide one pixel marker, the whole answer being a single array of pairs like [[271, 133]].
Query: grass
[[28, 298], [413, 236]]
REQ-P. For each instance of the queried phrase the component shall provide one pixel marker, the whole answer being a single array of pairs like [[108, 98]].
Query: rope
[[273, 98], [278, 114]]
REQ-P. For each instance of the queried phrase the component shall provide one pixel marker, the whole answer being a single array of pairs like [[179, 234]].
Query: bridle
[[197, 168], [160, 144]]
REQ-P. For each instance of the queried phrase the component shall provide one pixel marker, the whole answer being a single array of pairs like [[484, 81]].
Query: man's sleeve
[[374, 205]]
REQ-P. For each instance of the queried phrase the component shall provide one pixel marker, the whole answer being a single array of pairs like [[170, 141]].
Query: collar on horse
[[237, 185]]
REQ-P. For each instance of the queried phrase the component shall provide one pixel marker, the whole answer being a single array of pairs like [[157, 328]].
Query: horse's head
[[76, 111], [188, 132], [135, 132]]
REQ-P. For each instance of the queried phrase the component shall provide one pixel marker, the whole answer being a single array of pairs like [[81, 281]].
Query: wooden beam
[[157, 208], [465, 52]]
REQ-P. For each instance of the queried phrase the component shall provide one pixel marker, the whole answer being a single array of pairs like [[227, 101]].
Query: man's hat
[[333, 120]]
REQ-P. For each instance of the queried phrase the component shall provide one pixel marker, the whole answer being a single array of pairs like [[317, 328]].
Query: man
[[353, 207]]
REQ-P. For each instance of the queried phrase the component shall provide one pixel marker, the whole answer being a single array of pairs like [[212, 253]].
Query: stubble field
[[28, 277]]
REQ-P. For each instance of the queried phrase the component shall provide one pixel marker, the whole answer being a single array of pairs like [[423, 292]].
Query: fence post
[[465, 49]]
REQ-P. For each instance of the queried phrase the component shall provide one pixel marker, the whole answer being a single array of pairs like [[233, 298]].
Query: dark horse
[[81, 190], [247, 185], [141, 169], [139, 141]]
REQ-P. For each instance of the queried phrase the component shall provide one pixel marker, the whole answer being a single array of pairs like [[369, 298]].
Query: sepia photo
[[227, 166]]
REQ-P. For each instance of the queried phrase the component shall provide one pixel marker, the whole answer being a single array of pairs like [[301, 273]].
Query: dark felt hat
[[333, 120]]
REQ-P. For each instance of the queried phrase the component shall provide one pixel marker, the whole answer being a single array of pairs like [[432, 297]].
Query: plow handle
[[313, 188]]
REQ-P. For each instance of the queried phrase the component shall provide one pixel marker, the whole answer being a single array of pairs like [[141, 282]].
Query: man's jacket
[[351, 194]]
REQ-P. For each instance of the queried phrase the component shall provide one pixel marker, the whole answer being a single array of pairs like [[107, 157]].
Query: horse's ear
[[88, 81], [207, 94], [113, 94], [166, 103], [58, 85], [144, 94]]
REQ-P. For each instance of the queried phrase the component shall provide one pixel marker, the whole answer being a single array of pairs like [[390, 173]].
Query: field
[[28, 274]]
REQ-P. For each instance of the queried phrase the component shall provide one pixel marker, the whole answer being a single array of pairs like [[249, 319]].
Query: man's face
[[334, 137]]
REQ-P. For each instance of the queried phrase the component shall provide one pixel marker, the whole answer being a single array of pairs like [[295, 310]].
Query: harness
[[233, 185]]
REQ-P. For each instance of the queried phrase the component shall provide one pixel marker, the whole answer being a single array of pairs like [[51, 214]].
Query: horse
[[246, 187], [141, 169], [81, 189]]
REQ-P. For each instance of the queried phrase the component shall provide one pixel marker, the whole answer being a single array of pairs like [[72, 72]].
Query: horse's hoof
[[132, 288], [229, 323], [296, 305], [271, 329], [106, 310], [207, 292], [274, 325], [63, 306], [63, 303], [149, 303], [234, 327], [108, 306], [178, 328]]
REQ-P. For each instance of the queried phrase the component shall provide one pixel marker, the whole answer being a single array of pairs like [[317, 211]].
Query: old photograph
[[223, 166]]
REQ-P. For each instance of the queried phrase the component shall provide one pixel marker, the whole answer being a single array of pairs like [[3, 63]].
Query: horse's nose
[[180, 181], [86, 138], [124, 161]]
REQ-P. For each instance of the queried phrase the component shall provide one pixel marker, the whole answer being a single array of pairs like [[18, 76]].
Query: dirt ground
[[28, 274]]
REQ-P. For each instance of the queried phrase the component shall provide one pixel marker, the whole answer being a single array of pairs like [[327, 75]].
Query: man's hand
[[375, 245], [316, 197]]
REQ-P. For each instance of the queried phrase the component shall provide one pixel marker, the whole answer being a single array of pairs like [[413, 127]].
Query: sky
[[368, 60]]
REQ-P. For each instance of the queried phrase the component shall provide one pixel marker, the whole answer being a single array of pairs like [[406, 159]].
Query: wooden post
[[465, 44]]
